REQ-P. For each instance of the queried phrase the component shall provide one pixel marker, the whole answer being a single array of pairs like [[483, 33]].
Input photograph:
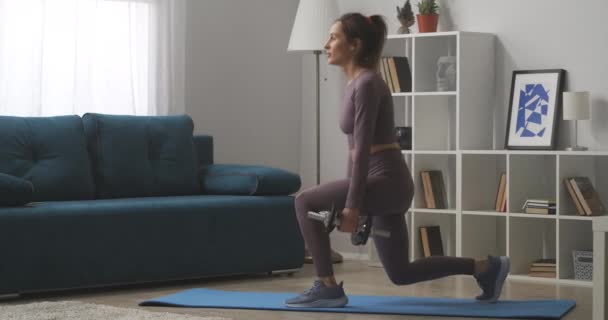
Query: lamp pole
[[318, 114]]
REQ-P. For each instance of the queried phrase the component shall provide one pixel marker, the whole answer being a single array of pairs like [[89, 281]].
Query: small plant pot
[[427, 22]]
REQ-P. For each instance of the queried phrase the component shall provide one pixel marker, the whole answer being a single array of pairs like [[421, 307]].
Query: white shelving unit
[[453, 132]]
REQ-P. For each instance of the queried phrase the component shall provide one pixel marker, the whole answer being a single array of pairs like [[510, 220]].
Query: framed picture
[[534, 107]]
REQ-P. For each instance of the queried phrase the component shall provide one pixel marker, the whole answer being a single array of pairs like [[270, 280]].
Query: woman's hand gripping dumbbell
[[331, 219]]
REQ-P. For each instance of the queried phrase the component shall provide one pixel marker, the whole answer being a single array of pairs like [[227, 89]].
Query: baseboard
[[354, 256], [9, 296]]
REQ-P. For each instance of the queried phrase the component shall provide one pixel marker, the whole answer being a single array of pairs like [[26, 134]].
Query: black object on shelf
[[404, 137]]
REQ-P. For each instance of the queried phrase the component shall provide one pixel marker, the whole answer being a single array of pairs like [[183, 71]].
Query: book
[[387, 74], [393, 70], [550, 262], [434, 189], [577, 204], [429, 198], [500, 194], [588, 197], [430, 238], [533, 210], [438, 188], [404, 73]]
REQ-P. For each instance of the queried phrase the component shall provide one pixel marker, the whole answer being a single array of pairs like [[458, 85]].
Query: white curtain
[[75, 56]]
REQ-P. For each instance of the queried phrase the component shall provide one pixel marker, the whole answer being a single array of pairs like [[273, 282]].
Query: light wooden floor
[[359, 278]]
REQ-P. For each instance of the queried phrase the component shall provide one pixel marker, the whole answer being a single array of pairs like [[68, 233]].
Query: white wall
[[242, 86], [538, 34]]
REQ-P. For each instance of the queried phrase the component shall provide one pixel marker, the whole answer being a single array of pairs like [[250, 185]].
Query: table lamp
[[575, 106]]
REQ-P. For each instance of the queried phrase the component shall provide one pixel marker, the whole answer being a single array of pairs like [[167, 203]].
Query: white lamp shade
[[311, 26], [575, 105]]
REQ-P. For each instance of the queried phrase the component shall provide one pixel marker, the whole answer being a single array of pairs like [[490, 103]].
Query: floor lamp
[[309, 33]]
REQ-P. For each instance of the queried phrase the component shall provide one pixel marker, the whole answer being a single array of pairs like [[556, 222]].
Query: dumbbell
[[331, 219], [364, 230]]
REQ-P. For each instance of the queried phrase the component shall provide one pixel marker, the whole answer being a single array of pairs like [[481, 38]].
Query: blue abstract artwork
[[532, 111]]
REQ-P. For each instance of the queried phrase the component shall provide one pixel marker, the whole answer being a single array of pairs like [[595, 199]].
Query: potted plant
[[428, 16]]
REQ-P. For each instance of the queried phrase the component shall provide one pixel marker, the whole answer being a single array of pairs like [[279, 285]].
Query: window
[[76, 56]]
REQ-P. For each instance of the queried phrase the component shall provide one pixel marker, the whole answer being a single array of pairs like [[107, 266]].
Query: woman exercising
[[378, 184]]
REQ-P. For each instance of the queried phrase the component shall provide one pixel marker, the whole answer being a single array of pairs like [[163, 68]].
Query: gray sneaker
[[492, 280], [319, 296]]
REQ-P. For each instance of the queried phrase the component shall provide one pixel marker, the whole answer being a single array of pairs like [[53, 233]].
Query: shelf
[[422, 35], [443, 211], [583, 283], [447, 228], [537, 152], [484, 213], [526, 277], [434, 125], [484, 234], [481, 179], [445, 152], [531, 215], [427, 93], [488, 152], [453, 132], [574, 217]]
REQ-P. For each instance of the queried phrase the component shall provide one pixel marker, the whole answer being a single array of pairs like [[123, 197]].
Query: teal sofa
[[104, 200]]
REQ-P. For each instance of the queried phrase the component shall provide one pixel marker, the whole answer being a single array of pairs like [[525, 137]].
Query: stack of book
[[396, 73], [539, 206], [434, 189], [543, 268], [585, 198], [501, 195]]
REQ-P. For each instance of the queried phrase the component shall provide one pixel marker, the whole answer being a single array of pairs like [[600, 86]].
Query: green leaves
[[428, 7]]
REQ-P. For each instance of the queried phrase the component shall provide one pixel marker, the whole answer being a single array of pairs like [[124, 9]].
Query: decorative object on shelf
[[534, 105], [583, 265], [428, 16], [404, 137], [406, 17], [576, 107], [446, 73]]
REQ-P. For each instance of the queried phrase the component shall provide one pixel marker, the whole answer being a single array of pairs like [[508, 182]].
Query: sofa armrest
[[203, 146], [235, 179], [15, 191]]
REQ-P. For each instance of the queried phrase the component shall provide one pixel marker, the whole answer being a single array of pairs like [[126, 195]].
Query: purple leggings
[[388, 195]]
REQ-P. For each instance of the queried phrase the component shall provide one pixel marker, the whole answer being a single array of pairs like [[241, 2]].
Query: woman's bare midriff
[[379, 147]]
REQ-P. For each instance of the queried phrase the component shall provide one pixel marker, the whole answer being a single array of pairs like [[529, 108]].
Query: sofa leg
[[288, 272], [9, 296]]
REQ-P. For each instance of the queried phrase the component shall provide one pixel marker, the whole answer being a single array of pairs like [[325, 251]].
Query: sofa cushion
[[234, 179], [14, 191], [50, 152], [74, 244], [142, 156]]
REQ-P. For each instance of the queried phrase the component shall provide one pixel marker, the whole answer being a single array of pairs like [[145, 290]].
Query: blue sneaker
[[491, 281], [319, 296]]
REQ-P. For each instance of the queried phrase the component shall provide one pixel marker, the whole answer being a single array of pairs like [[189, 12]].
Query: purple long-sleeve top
[[367, 118]]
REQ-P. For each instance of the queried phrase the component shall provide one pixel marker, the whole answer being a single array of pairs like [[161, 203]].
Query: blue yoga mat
[[207, 298]]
